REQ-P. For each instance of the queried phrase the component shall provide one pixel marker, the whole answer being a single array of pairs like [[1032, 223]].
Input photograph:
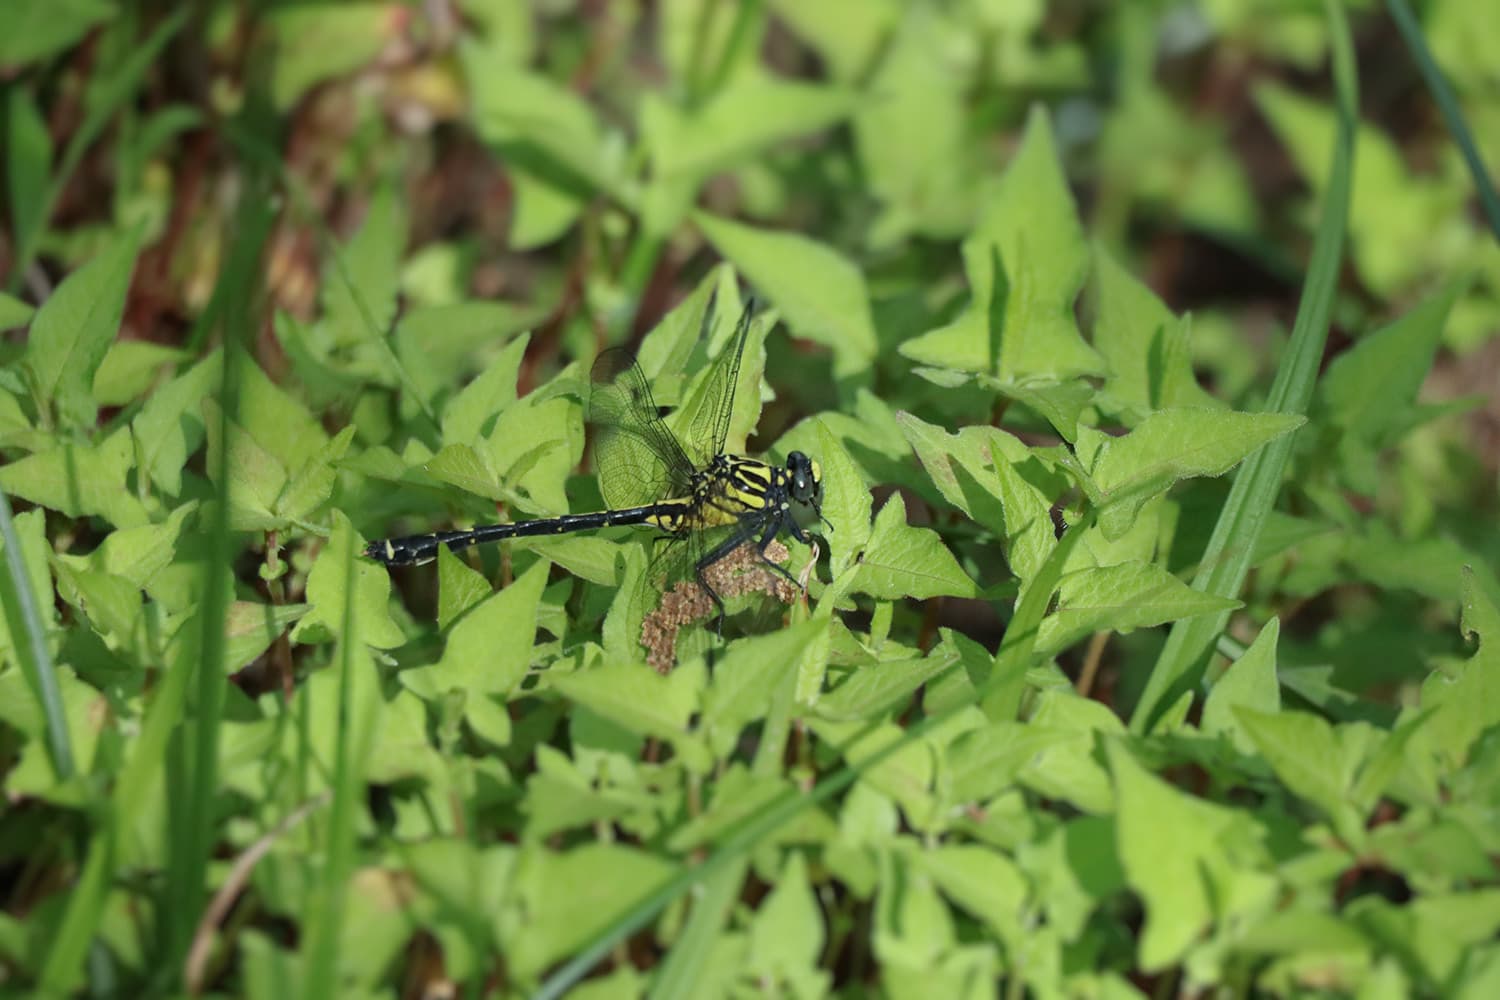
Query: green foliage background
[[1152, 647]]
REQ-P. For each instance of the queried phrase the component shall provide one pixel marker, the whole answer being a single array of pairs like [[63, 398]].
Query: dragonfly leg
[[717, 553], [772, 530]]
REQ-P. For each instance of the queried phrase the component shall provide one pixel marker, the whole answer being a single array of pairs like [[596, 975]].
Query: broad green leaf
[[1167, 446], [877, 688], [846, 33], [137, 554], [1120, 598], [982, 881], [320, 41], [1250, 682], [538, 443], [256, 477], [328, 596], [846, 502], [495, 388], [459, 588], [489, 649], [1146, 346], [544, 211], [72, 331], [754, 111], [787, 934], [748, 681], [912, 926], [311, 486], [129, 370], [169, 427], [521, 111], [13, 312], [568, 898], [913, 132], [904, 561], [439, 344], [250, 628], [1170, 845], [820, 291], [277, 421], [32, 30], [1026, 260], [1369, 390], [641, 700], [1468, 701], [79, 480], [362, 278], [1309, 757], [28, 162], [462, 466]]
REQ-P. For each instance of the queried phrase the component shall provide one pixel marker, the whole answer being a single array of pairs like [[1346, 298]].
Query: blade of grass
[[194, 778], [1447, 102], [29, 637], [681, 974], [1226, 561]]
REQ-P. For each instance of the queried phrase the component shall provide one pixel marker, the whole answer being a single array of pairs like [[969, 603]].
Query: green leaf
[[72, 331], [250, 628], [28, 163], [1309, 757], [493, 390], [137, 554], [13, 312], [169, 427], [753, 112], [568, 898], [641, 700], [79, 480], [1120, 598], [1469, 701], [130, 368], [1147, 348], [1026, 260], [489, 649], [311, 486], [820, 291], [328, 596], [982, 881], [319, 41], [459, 588], [1170, 846], [1369, 391], [256, 477], [913, 132], [363, 277], [748, 681], [1250, 682], [904, 561], [786, 937], [276, 420], [846, 502], [845, 33], [1169, 445], [32, 30], [547, 127], [877, 688]]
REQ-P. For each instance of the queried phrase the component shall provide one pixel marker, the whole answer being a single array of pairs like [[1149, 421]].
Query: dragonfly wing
[[640, 461]]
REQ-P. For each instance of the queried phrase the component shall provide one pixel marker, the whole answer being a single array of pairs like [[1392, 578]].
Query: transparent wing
[[705, 418], [640, 461]]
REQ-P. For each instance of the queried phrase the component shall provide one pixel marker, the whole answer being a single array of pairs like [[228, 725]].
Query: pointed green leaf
[[72, 331], [328, 596], [820, 291], [904, 561], [79, 480], [1250, 682], [489, 649], [1121, 598]]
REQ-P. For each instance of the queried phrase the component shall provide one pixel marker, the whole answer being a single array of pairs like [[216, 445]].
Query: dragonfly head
[[805, 480]]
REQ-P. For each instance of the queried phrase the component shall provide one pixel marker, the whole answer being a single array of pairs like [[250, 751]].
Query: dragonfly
[[684, 484]]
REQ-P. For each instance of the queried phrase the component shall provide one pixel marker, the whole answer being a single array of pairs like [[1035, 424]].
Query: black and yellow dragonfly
[[683, 484]]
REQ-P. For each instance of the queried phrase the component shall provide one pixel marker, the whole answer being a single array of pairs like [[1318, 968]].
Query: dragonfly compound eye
[[803, 473]]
